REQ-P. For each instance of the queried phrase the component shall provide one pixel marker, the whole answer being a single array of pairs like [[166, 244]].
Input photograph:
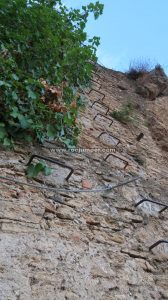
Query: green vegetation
[[45, 60], [34, 170], [125, 114]]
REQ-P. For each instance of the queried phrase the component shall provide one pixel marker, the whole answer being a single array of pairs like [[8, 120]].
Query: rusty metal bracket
[[102, 104], [52, 160], [116, 156], [157, 243], [96, 69], [111, 121], [152, 201], [97, 91], [96, 83], [104, 132], [92, 80], [96, 75]]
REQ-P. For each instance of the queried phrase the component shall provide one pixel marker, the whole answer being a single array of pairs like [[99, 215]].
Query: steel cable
[[45, 187]]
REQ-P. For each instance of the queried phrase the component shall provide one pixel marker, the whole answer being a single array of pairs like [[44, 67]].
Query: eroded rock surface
[[153, 84], [90, 246]]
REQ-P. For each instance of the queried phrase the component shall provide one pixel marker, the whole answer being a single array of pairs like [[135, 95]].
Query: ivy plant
[[33, 170], [45, 60]]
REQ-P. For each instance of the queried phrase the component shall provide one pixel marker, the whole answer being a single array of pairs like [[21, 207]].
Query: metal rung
[[152, 201], [102, 104], [116, 156], [97, 91], [52, 160], [157, 243], [95, 70], [104, 132], [104, 117], [96, 83], [96, 74]]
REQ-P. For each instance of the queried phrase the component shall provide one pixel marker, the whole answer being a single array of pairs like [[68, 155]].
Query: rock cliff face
[[91, 245]]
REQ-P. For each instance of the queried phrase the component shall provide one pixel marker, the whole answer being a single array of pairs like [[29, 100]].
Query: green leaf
[[82, 25], [2, 82], [38, 168], [14, 112], [62, 133], [24, 122], [47, 171], [30, 171], [14, 95], [31, 94], [68, 119], [3, 132], [34, 170], [15, 77], [7, 142], [51, 131]]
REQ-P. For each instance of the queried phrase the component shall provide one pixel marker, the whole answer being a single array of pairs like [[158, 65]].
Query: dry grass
[[139, 68]]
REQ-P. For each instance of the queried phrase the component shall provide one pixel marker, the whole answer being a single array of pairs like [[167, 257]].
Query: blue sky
[[130, 30]]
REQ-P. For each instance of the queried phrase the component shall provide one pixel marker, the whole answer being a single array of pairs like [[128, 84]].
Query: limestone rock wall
[[89, 246]]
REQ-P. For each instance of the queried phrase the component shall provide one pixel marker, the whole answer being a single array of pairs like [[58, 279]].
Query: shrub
[[138, 68], [159, 71], [124, 115], [44, 61]]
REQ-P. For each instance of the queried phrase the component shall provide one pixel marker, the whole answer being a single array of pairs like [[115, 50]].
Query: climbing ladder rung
[[157, 243], [97, 91], [52, 160], [116, 156], [101, 104], [105, 117], [96, 83], [152, 201], [110, 135]]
